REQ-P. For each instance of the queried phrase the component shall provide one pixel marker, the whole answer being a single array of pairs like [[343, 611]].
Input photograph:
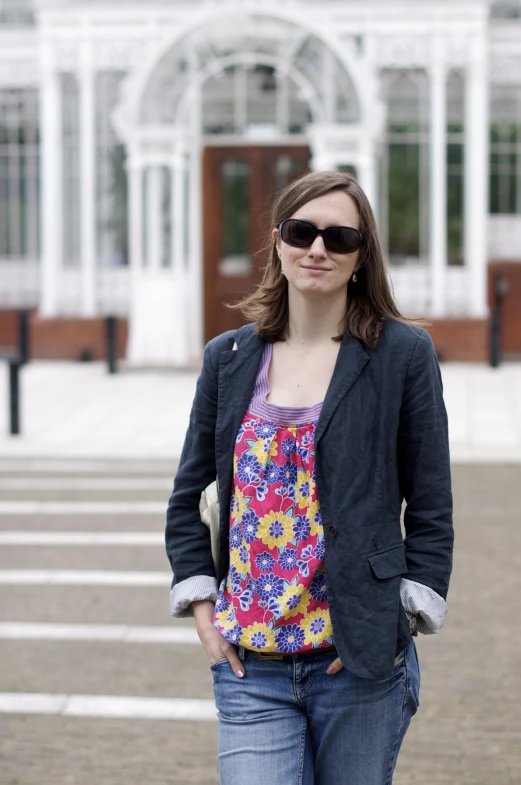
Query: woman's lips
[[317, 269]]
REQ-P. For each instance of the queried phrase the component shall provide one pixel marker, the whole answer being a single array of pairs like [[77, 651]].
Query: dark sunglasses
[[337, 239]]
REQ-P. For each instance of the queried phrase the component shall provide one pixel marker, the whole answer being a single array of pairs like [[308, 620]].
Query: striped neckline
[[271, 412]]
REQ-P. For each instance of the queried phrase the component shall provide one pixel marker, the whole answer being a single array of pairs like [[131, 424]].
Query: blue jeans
[[288, 723]]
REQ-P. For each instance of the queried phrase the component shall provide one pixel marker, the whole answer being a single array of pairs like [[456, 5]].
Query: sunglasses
[[337, 239]]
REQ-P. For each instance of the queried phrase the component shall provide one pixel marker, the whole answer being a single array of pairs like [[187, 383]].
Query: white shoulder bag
[[209, 510]]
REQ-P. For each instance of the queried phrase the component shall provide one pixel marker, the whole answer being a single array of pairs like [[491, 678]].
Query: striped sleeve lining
[[429, 608], [182, 595]]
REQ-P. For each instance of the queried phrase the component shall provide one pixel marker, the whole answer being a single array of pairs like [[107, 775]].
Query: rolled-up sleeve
[[424, 471]]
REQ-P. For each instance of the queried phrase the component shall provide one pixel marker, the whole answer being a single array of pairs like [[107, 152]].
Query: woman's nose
[[317, 247]]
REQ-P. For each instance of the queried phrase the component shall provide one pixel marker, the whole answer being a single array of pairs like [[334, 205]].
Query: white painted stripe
[[69, 466], [82, 508], [119, 633], [122, 707], [85, 577], [86, 484], [81, 538]]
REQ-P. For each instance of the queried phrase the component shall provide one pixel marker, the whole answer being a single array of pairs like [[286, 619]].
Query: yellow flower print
[[314, 517], [264, 449], [305, 488], [259, 637], [240, 558], [226, 618], [295, 600], [239, 505], [317, 626], [275, 529]]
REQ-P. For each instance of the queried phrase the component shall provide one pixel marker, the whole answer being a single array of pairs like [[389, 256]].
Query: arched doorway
[[215, 124]]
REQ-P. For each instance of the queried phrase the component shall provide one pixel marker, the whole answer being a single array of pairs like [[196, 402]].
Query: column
[[178, 217], [87, 181], [366, 172], [51, 178], [476, 178], [135, 216], [438, 182], [153, 217]]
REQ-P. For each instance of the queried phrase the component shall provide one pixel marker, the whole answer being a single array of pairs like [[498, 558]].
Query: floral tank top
[[274, 597]]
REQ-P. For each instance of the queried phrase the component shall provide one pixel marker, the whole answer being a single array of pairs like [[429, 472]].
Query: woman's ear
[[276, 236]]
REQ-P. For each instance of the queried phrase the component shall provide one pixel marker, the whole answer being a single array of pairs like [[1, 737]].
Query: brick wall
[[463, 340], [62, 338]]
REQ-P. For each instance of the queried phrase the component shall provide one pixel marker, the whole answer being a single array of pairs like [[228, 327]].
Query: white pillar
[[476, 178], [153, 217], [438, 183], [135, 216], [51, 179], [178, 216], [366, 170], [87, 182], [195, 272]]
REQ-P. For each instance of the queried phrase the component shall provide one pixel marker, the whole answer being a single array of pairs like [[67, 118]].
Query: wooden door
[[239, 185]]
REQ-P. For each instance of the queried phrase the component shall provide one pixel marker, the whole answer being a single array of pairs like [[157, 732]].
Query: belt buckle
[[269, 655]]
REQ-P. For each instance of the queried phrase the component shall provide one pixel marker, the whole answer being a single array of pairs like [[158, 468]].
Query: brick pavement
[[467, 731]]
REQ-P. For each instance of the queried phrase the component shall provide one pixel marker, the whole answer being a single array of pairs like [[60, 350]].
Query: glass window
[[505, 150], [19, 174], [236, 218], [111, 177]]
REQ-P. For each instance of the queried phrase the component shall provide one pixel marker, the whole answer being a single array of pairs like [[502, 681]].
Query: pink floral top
[[274, 597]]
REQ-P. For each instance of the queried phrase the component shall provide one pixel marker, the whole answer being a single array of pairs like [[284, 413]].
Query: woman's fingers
[[335, 666], [236, 665]]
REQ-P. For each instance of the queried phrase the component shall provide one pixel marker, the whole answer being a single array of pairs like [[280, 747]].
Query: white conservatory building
[[142, 142]]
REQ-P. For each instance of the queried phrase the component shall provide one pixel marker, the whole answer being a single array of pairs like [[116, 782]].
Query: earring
[[355, 277]]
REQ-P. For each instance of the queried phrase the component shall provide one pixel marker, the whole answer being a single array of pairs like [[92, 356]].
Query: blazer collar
[[238, 371], [352, 359]]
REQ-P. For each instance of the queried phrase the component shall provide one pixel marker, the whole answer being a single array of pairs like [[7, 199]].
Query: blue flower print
[[265, 431], [288, 559], [248, 468], [259, 640], [320, 549], [235, 580], [271, 475], [301, 528], [288, 474], [240, 434], [264, 561], [288, 447], [261, 490], [233, 635], [222, 603], [250, 524], [303, 448], [317, 588], [289, 638], [235, 537], [269, 586]]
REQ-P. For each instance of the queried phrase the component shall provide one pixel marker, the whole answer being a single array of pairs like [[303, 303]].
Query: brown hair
[[369, 301]]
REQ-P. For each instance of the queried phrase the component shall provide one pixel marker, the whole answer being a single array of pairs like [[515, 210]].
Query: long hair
[[369, 301]]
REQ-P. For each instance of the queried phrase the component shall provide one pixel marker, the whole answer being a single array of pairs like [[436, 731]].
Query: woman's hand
[[216, 647]]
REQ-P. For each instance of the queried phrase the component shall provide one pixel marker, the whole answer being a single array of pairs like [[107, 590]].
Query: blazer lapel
[[351, 360], [237, 375]]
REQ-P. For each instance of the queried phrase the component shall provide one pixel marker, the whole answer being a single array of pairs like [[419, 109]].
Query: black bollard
[[14, 395], [110, 326], [23, 336], [500, 292]]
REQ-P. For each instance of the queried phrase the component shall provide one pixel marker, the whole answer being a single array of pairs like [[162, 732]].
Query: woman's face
[[315, 270]]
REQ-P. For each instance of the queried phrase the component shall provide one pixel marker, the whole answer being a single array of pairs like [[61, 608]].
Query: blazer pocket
[[388, 563]]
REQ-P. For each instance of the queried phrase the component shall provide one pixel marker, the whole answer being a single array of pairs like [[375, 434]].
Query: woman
[[319, 419]]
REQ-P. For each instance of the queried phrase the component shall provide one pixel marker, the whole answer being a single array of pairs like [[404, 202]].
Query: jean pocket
[[216, 664]]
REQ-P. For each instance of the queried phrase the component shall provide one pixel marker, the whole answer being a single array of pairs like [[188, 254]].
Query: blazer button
[[332, 530]]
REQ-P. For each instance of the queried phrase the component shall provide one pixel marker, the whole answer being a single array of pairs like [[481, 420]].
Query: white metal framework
[[423, 100]]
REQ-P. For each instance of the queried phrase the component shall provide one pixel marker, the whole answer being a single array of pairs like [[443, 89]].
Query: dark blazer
[[381, 438]]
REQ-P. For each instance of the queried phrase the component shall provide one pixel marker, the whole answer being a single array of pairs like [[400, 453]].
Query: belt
[[276, 656]]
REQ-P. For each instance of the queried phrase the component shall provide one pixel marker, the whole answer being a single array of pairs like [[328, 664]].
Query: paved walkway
[[74, 409], [99, 685]]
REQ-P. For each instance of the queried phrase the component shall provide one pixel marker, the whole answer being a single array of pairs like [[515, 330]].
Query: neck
[[314, 320]]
